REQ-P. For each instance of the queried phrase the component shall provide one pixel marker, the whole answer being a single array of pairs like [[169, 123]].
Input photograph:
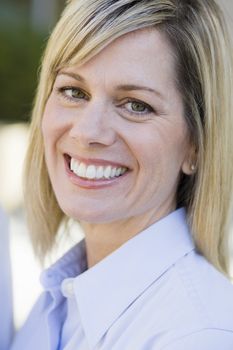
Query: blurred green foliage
[[21, 48], [20, 51]]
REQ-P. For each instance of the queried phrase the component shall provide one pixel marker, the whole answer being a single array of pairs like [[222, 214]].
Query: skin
[[91, 113]]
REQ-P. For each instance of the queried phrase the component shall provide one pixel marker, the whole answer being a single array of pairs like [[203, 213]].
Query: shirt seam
[[192, 292], [195, 332]]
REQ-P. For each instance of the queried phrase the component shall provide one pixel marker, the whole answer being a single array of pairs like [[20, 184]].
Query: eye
[[137, 107], [73, 93]]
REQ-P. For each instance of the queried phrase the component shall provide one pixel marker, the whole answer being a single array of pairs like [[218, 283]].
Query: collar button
[[67, 287]]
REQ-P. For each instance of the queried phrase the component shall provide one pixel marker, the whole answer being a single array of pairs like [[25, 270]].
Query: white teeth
[[81, 171], [113, 172], [99, 172], [95, 172], [118, 171], [72, 164], [107, 172], [123, 170], [91, 172], [76, 166]]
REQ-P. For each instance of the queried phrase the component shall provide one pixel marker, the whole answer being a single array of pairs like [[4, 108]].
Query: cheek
[[159, 149], [55, 122], [48, 120]]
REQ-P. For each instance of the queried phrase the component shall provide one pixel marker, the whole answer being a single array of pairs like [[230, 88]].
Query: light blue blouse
[[6, 321], [153, 293]]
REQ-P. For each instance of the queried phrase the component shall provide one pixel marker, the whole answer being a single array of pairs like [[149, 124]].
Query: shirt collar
[[72, 264], [107, 289]]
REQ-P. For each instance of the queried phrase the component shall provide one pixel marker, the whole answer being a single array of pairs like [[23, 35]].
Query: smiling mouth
[[94, 172]]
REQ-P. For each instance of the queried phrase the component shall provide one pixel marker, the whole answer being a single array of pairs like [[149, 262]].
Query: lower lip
[[92, 184]]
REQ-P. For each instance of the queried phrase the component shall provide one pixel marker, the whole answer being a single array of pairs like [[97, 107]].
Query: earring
[[193, 167]]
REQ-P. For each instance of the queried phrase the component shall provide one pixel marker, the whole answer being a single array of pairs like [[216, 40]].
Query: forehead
[[143, 53]]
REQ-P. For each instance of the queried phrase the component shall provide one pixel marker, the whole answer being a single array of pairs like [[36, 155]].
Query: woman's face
[[114, 133]]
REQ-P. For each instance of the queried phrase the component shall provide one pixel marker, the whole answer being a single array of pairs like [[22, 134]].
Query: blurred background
[[24, 28]]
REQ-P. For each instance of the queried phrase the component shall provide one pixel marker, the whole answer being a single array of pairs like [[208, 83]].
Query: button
[[67, 287]]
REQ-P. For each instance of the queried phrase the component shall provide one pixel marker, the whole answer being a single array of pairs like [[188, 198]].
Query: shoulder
[[208, 289], [206, 339], [196, 307]]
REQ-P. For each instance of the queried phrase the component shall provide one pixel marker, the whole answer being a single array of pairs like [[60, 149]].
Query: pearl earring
[[193, 167]]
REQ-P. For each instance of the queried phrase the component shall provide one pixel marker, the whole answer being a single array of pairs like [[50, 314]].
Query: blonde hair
[[197, 33]]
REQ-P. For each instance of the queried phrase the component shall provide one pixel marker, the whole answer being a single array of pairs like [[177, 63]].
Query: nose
[[92, 126]]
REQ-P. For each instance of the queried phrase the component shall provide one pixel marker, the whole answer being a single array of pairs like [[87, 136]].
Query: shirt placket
[[55, 317]]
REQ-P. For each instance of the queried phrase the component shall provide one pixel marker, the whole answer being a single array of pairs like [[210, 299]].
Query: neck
[[104, 238]]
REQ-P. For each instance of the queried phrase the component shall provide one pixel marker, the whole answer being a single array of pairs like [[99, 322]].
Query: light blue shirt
[[6, 321], [153, 293]]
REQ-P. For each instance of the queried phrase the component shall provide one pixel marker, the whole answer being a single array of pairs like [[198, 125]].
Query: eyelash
[[63, 92], [148, 108]]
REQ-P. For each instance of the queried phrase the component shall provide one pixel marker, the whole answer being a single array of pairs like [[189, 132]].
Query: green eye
[[76, 93], [138, 107], [73, 94]]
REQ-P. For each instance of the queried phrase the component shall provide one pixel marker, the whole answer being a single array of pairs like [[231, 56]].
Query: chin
[[90, 215]]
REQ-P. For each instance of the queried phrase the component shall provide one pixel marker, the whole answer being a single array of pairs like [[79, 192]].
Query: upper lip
[[96, 161]]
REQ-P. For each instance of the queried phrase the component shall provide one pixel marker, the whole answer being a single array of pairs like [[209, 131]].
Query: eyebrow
[[72, 75], [132, 87], [123, 87]]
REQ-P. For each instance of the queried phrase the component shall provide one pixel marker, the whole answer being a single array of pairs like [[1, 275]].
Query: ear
[[189, 165]]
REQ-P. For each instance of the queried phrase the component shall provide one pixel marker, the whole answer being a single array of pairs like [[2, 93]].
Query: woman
[[131, 137], [6, 321]]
